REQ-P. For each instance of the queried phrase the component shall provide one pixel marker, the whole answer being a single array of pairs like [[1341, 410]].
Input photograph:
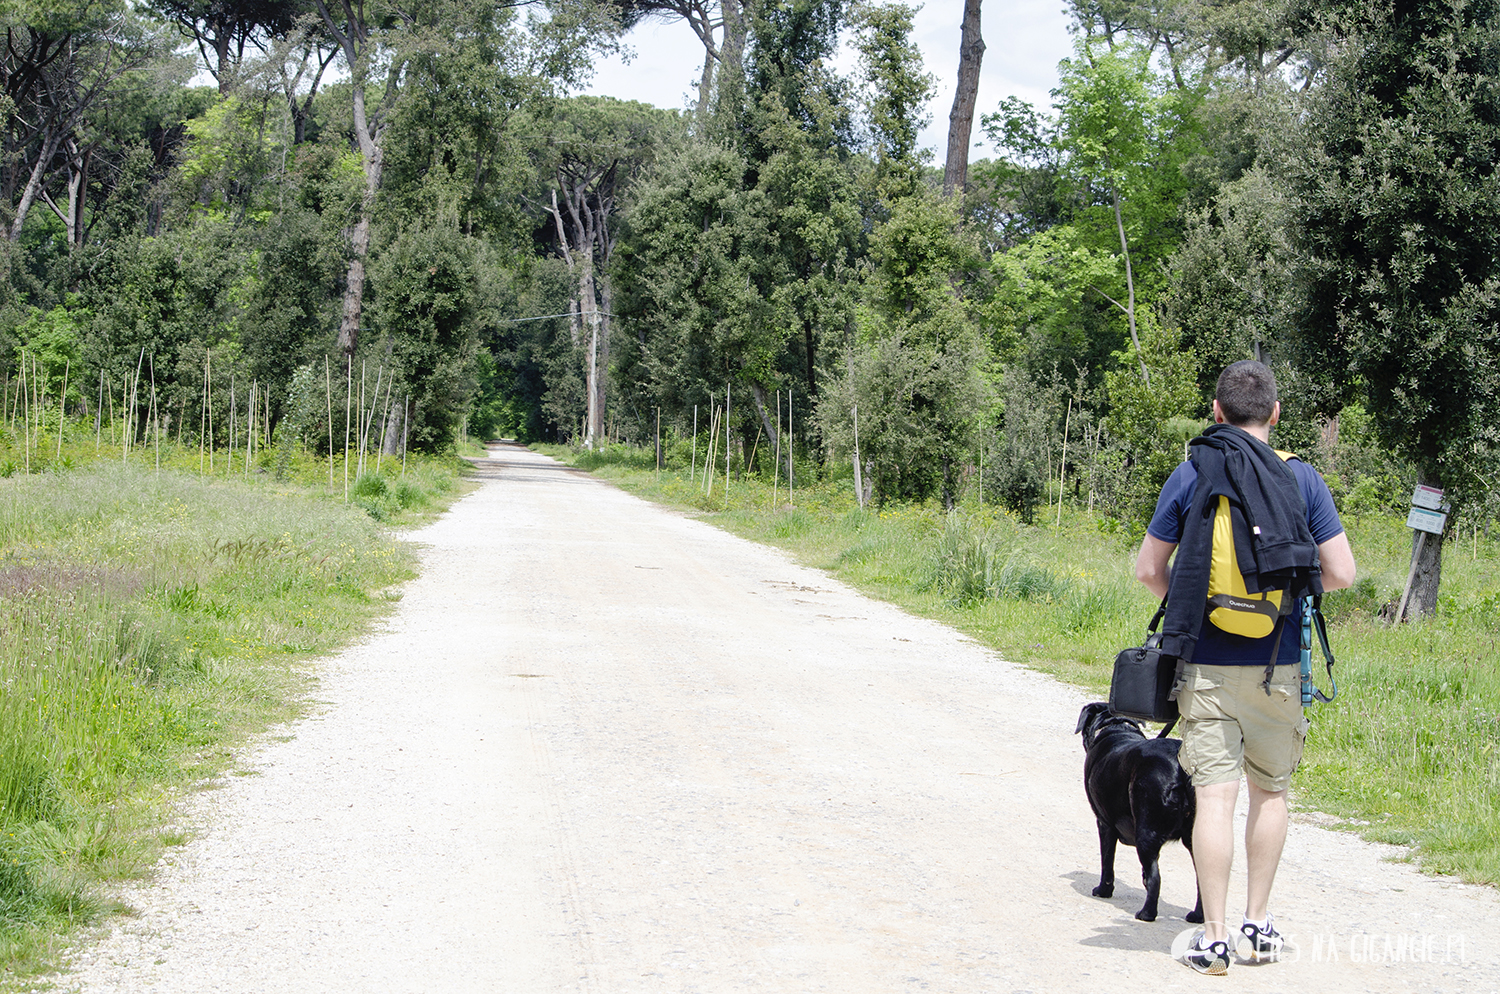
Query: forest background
[[413, 194]]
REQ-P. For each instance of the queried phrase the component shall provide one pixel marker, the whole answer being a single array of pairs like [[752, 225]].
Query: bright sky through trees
[[1024, 40]]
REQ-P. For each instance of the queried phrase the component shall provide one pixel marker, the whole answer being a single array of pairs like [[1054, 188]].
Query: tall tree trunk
[[33, 188], [961, 118], [758, 394], [603, 320], [594, 419], [706, 85], [372, 159], [736, 17]]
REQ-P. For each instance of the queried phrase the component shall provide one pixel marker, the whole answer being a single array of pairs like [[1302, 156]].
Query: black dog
[[1140, 797]]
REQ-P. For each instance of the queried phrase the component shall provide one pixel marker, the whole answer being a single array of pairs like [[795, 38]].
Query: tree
[[1230, 283], [58, 68], [1116, 121], [918, 374], [424, 303], [690, 271], [895, 93], [223, 28], [389, 50], [600, 145], [720, 27], [961, 118], [1398, 221]]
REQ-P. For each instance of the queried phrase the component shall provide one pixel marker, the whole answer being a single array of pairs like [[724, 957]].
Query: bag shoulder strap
[[1161, 612], [1320, 625]]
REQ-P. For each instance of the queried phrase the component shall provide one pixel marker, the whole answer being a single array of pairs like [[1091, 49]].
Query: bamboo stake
[[155, 415], [328, 396], [140, 364], [859, 490], [127, 408], [791, 449], [33, 406], [348, 399], [405, 422], [708, 461], [203, 416], [36, 400], [776, 462], [62, 403], [359, 434], [99, 415], [693, 472], [232, 413], [658, 444], [249, 426], [208, 364], [708, 444], [754, 449], [726, 445], [370, 418], [385, 422], [26, 415], [1062, 473]]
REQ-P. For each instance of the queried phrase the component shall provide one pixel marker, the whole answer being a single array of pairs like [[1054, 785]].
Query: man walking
[[1241, 702]]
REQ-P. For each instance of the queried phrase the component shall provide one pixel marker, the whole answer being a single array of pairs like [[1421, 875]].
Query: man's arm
[[1151, 564], [1337, 560]]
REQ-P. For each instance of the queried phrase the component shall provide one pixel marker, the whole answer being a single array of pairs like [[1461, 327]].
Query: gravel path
[[604, 748]]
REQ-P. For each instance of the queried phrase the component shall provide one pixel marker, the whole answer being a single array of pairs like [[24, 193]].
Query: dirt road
[[604, 748]]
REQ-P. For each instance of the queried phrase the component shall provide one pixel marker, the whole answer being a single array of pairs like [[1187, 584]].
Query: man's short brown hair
[[1246, 393]]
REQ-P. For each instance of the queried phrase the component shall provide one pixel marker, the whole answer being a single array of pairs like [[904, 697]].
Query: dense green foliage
[[412, 198]]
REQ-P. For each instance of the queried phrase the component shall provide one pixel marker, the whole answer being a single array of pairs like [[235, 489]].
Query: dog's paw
[[1104, 890], [1194, 917], [1146, 915]]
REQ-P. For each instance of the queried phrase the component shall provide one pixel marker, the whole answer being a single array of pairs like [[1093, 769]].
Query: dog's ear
[[1089, 715]]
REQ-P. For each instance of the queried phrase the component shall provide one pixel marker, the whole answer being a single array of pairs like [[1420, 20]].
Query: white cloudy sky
[[1024, 40]]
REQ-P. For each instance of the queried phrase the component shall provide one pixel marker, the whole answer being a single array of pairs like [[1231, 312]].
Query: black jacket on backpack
[[1272, 542]]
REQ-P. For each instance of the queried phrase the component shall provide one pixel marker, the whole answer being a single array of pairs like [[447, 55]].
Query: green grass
[[1409, 752], [152, 621]]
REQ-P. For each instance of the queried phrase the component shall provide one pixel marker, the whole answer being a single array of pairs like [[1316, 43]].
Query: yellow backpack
[[1231, 607]]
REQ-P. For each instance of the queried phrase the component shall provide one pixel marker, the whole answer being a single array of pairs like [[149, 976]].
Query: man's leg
[[1213, 853], [1265, 835]]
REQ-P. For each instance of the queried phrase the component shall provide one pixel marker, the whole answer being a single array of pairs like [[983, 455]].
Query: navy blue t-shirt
[[1216, 646]]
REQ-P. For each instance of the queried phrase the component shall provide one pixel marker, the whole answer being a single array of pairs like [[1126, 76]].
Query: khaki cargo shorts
[[1229, 724]]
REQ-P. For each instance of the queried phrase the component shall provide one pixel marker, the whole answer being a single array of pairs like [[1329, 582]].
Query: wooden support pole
[[1416, 558]]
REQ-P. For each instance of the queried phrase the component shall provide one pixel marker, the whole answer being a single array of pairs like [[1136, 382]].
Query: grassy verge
[[152, 620], [1409, 753]]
